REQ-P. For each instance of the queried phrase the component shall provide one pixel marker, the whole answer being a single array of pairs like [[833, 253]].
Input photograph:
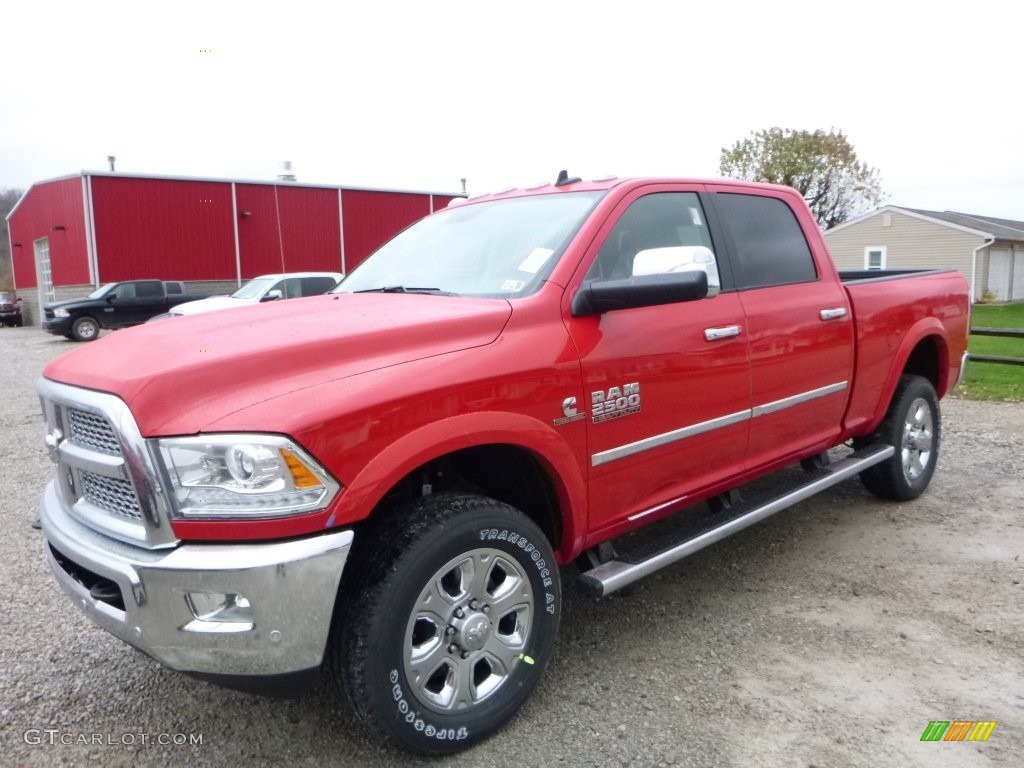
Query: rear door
[[666, 388], [133, 302], [799, 327]]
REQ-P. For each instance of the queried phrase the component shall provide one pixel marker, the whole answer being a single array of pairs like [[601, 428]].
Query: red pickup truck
[[390, 476]]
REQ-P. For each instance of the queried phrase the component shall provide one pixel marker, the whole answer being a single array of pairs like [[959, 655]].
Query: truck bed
[[895, 311]]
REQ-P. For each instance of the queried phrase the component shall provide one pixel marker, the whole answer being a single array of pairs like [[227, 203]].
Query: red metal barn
[[72, 234]]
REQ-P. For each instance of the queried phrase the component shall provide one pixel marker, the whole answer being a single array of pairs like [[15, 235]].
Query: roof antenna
[[564, 180]]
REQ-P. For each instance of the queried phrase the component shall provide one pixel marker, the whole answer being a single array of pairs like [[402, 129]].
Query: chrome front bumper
[[280, 627]]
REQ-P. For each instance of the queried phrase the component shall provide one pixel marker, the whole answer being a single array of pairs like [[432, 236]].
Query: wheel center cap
[[474, 632]]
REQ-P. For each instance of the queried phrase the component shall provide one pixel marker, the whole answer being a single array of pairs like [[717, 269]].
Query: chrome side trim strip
[[803, 397], [652, 510], [656, 441], [665, 438], [615, 574]]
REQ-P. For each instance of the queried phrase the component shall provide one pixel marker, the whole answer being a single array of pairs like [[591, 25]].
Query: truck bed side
[[903, 319]]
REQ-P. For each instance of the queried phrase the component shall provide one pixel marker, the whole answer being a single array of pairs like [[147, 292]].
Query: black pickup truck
[[114, 305]]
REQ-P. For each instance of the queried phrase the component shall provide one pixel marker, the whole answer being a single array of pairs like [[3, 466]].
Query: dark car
[[10, 309], [115, 305]]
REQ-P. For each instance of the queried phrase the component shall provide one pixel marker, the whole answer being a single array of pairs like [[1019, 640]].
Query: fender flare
[[928, 327], [366, 490]]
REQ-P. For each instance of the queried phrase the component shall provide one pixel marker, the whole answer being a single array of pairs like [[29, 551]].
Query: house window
[[874, 257]]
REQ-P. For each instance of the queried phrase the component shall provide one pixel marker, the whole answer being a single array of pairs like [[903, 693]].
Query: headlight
[[242, 476], [60, 312]]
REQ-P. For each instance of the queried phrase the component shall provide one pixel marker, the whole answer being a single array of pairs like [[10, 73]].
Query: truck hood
[[207, 305], [181, 375], [73, 302]]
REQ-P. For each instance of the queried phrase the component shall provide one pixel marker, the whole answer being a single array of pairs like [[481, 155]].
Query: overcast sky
[[417, 95]]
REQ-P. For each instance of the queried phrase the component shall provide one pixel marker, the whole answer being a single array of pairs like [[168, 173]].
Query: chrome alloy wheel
[[468, 630], [918, 439]]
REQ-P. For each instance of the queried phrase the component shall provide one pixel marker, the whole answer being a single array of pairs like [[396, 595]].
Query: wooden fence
[[1017, 333]]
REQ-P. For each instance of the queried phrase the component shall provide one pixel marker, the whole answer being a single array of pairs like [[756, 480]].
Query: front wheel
[[85, 329], [913, 427], [452, 624]]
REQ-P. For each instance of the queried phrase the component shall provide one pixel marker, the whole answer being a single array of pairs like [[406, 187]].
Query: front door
[[667, 388]]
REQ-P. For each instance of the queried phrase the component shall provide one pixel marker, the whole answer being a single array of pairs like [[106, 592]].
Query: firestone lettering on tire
[[412, 717], [493, 534]]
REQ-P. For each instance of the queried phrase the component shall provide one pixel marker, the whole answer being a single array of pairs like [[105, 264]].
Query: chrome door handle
[[728, 331], [833, 314]]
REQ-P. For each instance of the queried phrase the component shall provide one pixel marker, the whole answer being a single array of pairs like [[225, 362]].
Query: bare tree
[[8, 199]]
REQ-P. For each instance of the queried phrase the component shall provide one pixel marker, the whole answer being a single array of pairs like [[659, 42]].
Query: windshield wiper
[[406, 289]]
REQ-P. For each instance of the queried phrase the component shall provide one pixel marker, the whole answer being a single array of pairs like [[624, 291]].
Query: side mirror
[[677, 259], [601, 296], [111, 298], [274, 295]]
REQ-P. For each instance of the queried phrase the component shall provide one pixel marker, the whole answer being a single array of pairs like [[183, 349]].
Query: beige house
[[988, 252]]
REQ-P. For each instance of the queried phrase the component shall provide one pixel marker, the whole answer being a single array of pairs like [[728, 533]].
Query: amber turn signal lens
[[301, 475]]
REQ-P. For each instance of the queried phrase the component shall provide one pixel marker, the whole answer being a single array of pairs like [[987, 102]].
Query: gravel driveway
[[829, 635]]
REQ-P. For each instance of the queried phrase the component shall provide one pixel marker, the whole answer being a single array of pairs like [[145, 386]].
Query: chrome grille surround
[[106, 478]]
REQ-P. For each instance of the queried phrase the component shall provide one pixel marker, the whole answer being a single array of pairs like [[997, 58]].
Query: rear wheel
[[85, 329], [452, 624], [913, 427]]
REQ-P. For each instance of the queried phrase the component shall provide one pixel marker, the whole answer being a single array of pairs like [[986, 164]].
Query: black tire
[[913, 426], [414, 579], [85, 329]]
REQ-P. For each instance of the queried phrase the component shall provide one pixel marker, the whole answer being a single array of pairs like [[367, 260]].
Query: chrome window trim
[[665, 438], [135, 465]]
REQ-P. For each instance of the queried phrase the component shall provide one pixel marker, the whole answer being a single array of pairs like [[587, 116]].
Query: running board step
[[615, 574]]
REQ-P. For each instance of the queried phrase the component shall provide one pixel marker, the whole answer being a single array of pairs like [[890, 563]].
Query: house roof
[[984, 226], [1002, 229]]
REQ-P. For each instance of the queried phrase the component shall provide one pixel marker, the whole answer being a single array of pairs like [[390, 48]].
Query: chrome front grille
[[106, 477], [110, 494], [90, 430]]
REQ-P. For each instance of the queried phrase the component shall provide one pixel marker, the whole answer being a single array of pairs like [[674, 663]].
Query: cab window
[[659, 233]]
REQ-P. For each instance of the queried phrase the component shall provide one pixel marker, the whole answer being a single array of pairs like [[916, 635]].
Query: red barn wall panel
[[373, 218], [47, 205], [258, 241], [311, 229], [166, 229], [283, 228]]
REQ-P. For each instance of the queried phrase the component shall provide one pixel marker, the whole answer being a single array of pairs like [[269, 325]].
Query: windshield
[[100, 292], [497, 249], [252, 289]]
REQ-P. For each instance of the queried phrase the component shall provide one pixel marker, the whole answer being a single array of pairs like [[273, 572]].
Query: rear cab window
[[768, 244]]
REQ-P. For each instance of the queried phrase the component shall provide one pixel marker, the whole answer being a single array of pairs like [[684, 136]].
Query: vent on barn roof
[[286, 171]]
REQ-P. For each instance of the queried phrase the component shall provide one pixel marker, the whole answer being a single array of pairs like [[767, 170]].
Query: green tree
[[822, 166], [8, 198]]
